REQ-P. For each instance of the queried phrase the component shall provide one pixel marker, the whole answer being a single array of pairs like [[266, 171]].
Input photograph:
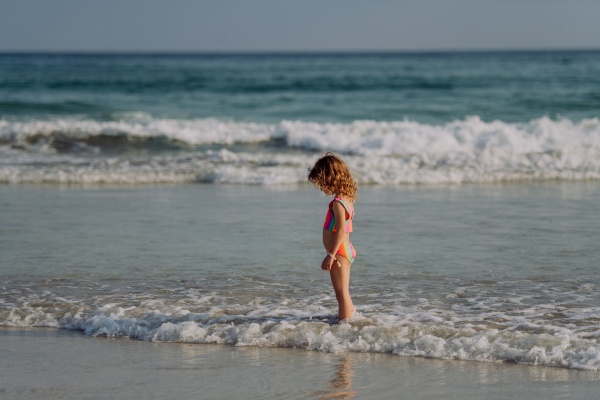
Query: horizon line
[[293, 52]]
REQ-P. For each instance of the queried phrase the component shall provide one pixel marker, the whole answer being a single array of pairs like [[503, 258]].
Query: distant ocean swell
[[209, 150]]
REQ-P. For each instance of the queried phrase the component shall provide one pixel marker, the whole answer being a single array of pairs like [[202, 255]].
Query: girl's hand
[[327, 263]]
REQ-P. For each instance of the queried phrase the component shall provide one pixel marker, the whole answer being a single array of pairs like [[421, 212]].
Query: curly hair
[[332, 176]]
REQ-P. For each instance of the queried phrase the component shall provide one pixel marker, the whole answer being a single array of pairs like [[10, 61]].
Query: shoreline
[[130, 368]]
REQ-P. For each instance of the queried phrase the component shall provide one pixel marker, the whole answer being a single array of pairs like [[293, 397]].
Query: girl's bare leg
[[340, 278]]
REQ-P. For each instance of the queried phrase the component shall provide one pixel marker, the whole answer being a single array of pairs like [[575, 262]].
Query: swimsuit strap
[[345, 206]]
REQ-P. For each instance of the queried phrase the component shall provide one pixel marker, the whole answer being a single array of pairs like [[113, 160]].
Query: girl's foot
[[351, 315]]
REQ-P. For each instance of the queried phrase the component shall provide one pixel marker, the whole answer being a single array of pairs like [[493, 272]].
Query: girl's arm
[[338, 237]]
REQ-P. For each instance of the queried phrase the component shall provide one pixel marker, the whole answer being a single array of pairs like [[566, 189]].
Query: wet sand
[[50, 363]]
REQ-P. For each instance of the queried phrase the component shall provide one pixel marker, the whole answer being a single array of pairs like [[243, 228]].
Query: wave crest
[[471, 150]]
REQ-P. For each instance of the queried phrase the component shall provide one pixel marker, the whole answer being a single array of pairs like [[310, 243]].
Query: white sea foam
[[202, 131], [209, 166], [378, 152], [480, 328]]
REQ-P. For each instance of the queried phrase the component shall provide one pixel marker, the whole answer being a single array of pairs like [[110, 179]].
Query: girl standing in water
[[332, 176]]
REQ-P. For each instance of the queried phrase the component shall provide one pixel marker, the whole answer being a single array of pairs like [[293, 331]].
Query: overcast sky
[[298, 25]]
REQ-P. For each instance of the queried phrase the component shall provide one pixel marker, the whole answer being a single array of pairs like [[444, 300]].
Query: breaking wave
[[500, 323], [471, 150]]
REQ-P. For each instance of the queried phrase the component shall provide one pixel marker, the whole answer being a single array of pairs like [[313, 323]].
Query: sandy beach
[[48, 363]]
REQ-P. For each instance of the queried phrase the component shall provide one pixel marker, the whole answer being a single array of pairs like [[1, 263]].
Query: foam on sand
[[482, 328]]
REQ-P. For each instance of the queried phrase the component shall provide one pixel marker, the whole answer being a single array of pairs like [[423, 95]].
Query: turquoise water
[[164, 198], [428, 88], [260, 119]]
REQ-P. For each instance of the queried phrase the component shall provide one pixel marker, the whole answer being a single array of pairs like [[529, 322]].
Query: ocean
[[163, 198], [261, 119]]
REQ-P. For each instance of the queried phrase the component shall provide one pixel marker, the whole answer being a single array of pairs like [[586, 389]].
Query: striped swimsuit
[[346, 250]]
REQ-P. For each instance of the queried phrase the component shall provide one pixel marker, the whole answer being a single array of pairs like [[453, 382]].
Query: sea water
[[161, 198], [488, 273], [261, 119]]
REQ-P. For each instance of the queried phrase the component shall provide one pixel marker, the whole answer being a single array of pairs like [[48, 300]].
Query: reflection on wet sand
[[339, 384]]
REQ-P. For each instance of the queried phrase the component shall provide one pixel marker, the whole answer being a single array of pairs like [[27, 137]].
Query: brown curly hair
[[332, 176]]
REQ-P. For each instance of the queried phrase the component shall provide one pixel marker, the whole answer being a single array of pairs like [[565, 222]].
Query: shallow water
[[476, 272]]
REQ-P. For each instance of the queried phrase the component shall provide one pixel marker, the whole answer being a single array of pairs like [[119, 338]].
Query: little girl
[[332, 176]]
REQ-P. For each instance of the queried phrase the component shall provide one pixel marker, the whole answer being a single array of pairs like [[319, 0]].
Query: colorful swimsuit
[[346, 250]]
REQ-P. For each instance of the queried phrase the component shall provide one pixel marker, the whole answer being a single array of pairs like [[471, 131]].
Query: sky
[[299, 25]]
